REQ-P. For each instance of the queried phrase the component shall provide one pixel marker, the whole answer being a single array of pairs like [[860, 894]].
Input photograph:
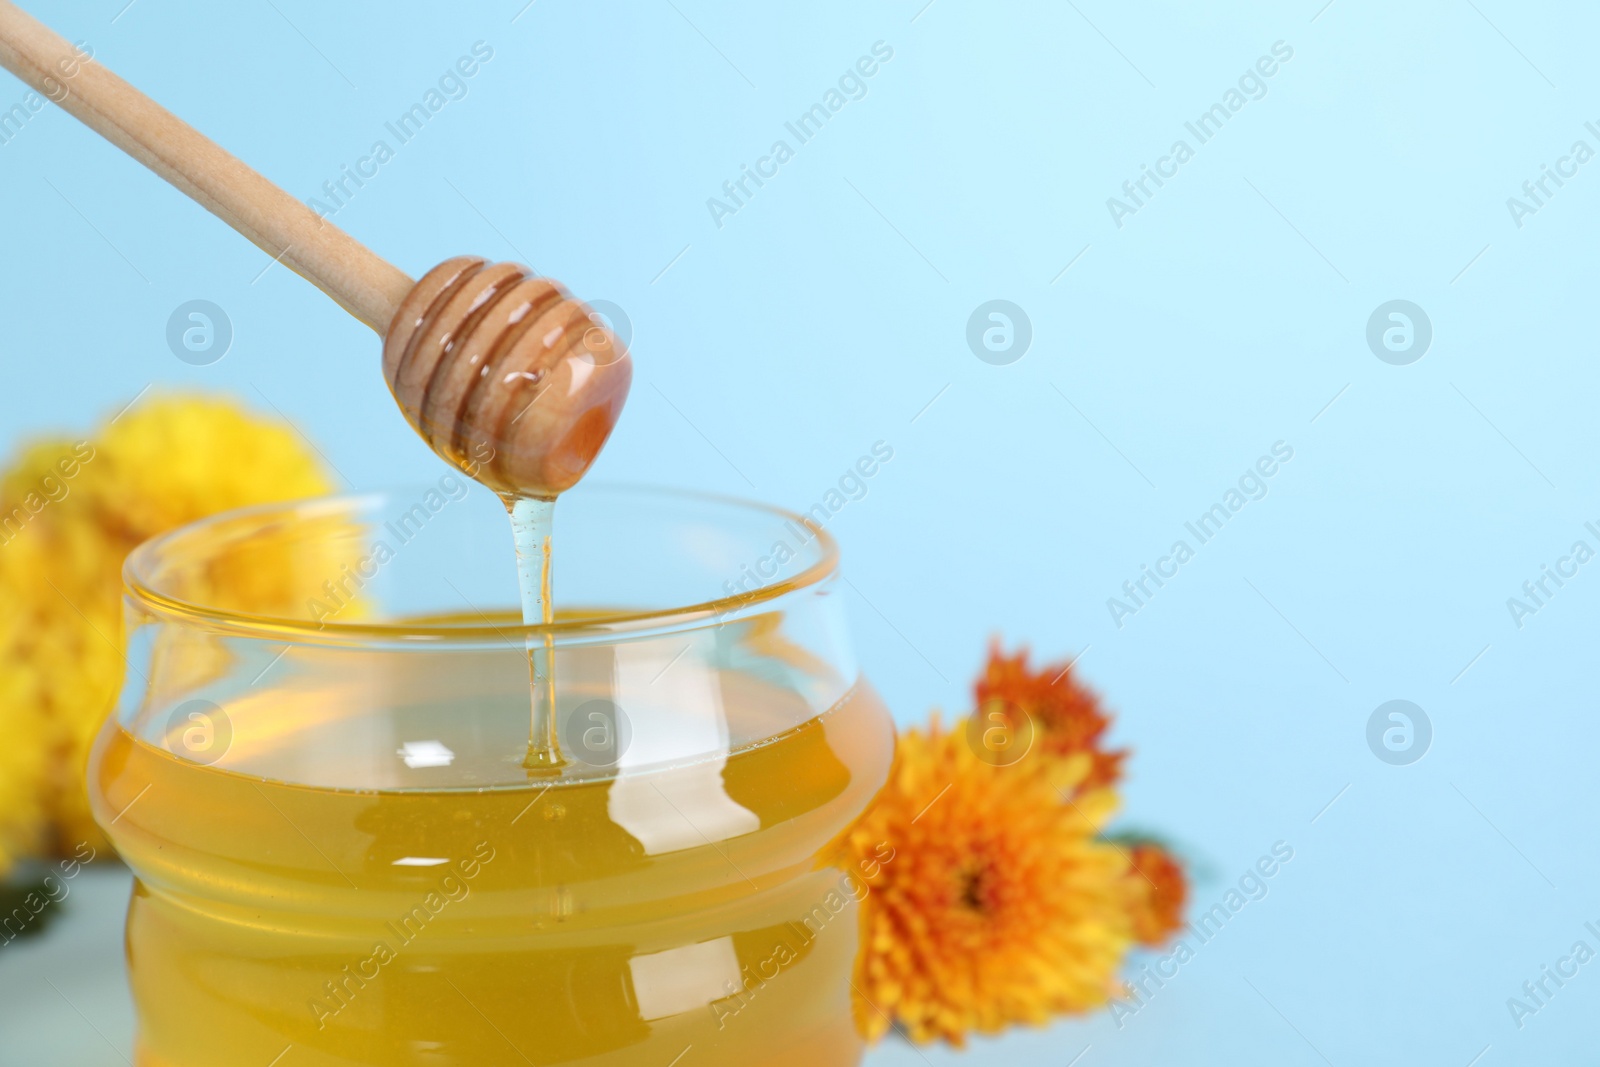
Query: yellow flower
[[24, 748], [69, 514], [1000, 905], [179, 459], [46, 547]]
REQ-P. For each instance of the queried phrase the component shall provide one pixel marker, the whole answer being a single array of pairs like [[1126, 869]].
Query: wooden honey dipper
[[503, 374]]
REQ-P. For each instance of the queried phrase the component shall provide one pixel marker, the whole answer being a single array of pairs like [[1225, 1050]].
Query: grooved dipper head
[[505, 375]]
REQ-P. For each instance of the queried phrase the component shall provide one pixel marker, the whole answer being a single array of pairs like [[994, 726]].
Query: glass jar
[[316, 774]]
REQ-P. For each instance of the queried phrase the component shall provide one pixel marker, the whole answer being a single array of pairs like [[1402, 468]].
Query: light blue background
[[1228, 314]]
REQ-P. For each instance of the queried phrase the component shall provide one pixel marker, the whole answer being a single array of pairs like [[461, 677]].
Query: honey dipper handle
[[363, 283]]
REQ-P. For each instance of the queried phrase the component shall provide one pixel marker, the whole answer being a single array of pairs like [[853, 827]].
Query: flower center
[[972, 888]]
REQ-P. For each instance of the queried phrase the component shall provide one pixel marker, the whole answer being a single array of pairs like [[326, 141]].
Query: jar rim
[[141, 584]]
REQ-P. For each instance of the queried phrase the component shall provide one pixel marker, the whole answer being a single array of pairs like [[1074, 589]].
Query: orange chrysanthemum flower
[[1064, 713], [1157, 891], [1001, 904]]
